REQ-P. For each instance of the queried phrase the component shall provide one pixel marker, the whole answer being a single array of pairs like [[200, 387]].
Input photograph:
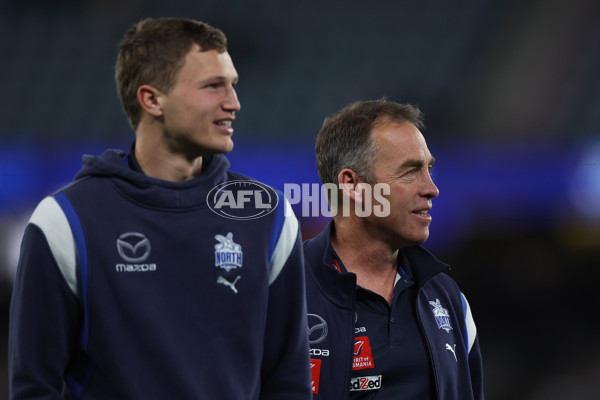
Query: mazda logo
[[133, 247], [317, 329]]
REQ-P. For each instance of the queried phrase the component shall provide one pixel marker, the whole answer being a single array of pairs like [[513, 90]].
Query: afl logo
[[242, 199], [317, 329], [133, 247]]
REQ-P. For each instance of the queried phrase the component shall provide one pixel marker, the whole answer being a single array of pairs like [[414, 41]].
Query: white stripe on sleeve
[[470, 325], [50, 218], [285, 243]]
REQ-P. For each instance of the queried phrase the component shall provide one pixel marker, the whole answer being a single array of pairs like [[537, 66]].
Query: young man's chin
[[226, 148], [221, 148]]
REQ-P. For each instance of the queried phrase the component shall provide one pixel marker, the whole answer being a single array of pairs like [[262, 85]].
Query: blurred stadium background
[[511, 95]]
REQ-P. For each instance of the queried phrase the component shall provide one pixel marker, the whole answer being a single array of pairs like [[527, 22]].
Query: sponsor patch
[[315, 373], [317, 329], [228, 254], [134, 248], [365, 383], [442, 317], [363, 357]]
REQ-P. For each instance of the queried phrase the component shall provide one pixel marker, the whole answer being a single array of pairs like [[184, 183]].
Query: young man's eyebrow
[[220, 79]]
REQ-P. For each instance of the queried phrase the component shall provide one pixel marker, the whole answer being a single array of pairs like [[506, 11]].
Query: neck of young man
[[372, 259], [158, 159]]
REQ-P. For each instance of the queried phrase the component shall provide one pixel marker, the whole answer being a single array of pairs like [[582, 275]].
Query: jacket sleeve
[[285, 369], [474, 353], [44, 311]]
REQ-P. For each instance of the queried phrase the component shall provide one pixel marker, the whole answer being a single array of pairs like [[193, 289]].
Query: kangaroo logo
[[442, 317], [231, 285], [228, 254]]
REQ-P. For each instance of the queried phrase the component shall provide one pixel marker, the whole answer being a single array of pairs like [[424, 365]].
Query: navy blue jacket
[[331, 297], [131, 287]]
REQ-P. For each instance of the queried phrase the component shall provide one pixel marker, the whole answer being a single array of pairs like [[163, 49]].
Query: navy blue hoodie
[[131, 287], [331, 300]]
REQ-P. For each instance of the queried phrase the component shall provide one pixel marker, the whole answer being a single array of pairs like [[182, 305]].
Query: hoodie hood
[[112, 165]]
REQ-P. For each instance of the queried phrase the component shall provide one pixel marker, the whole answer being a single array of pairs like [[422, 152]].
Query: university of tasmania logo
[[228, 254], [442, 317], [363, 357]]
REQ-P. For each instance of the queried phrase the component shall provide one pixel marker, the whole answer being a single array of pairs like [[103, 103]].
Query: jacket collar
[[423, 264], [319, 265], [319, 257]]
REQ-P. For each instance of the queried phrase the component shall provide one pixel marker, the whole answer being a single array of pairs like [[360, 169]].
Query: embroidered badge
[[228, 254], [363, 357], [441, 315]]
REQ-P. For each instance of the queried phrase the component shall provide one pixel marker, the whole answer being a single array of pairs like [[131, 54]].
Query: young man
[[129, 286], [385, 321]]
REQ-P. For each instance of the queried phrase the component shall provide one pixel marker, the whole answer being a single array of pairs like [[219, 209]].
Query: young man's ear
[[150, 99]]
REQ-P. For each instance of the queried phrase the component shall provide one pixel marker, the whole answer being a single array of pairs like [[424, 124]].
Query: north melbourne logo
[[228, 254], [442, 317], [242, 199]]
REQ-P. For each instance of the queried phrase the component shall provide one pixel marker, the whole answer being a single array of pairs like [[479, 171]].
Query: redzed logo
[[363, 358], [365, 383], [315, 372]]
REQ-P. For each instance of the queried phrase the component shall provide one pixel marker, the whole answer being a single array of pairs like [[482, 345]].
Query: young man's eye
[[213, 85]]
